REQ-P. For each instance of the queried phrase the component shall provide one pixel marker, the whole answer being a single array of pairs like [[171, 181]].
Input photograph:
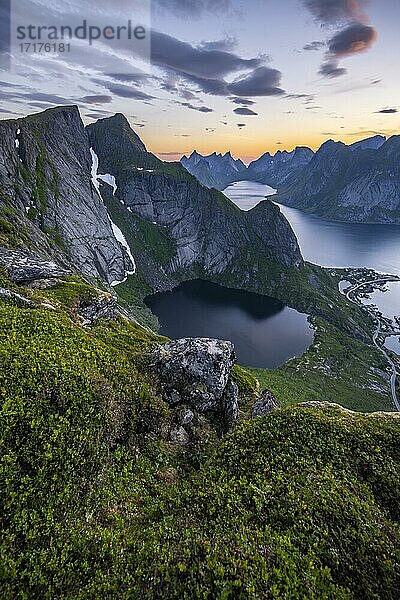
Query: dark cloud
[[312, 46], [172, 53], [244, 111], [241, 125], [387, 111], [135, 78], [99, 99], [263, 81], [355, 38], [97, 115], [125, 91], [226, 44], [332, 12], [330, 68], [305, 97], [203, 109], [243, 101]]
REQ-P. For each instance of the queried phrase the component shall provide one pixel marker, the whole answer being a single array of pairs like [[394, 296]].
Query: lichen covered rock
[[197, 371]]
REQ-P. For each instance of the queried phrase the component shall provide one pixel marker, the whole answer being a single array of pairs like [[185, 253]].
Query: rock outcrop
[[196, 372], [24, 268], [264, 405], [45, 178]]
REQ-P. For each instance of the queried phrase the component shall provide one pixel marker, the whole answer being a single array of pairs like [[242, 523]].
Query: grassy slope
[[336, 368], [98, 503]]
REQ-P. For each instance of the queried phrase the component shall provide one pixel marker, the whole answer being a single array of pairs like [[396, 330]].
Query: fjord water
[[330, 243], [265, 332], [336, 244]]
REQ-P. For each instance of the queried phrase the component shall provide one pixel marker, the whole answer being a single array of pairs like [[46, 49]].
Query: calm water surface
[[265, 332], [335, 244]]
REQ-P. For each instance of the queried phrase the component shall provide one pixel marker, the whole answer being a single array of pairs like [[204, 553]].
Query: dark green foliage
[[96, 502], [301, 504]]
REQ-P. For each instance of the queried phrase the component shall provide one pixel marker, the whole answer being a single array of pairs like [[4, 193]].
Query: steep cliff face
[[358, 183], [49, 198], [205, 230]]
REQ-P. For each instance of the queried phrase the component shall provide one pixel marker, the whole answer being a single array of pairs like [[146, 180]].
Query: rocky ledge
[[196, 372]]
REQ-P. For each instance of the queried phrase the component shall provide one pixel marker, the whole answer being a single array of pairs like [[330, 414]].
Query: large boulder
[[196, 371]]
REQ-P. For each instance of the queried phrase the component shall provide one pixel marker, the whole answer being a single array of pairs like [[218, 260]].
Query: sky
[[246, 76]]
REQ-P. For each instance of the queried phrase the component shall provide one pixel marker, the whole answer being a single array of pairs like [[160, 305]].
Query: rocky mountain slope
[[200, 228], [275, 169], [358, 183], [47, 200]]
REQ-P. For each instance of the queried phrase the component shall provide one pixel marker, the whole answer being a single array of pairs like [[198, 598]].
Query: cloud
[[263, 81], [169, 154], [241, 125], [226, 44], [331, 68], [306, 97], [99, 99], [203, 109], [244, 111], [387, 111], [185, 8], [125, 91], [332, 12], [357, 37], [243, 101], [312, 46], [172, 53], [98, 114]]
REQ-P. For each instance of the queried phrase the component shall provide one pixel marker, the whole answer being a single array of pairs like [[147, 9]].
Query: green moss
[[98, 503], [55, 235]]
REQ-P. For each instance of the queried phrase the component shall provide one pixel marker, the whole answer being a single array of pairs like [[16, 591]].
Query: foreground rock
[[22, 267], [196, 372], [264, 405]]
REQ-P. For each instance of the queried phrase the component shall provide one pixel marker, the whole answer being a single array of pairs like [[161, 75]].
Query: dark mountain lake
[[265, 332]]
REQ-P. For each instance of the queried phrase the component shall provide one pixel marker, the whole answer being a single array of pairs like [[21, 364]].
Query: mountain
[[274, 170], [372, 143], [136, 466], [358, 183], [46, 190], [215, 170], [199, 227]]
